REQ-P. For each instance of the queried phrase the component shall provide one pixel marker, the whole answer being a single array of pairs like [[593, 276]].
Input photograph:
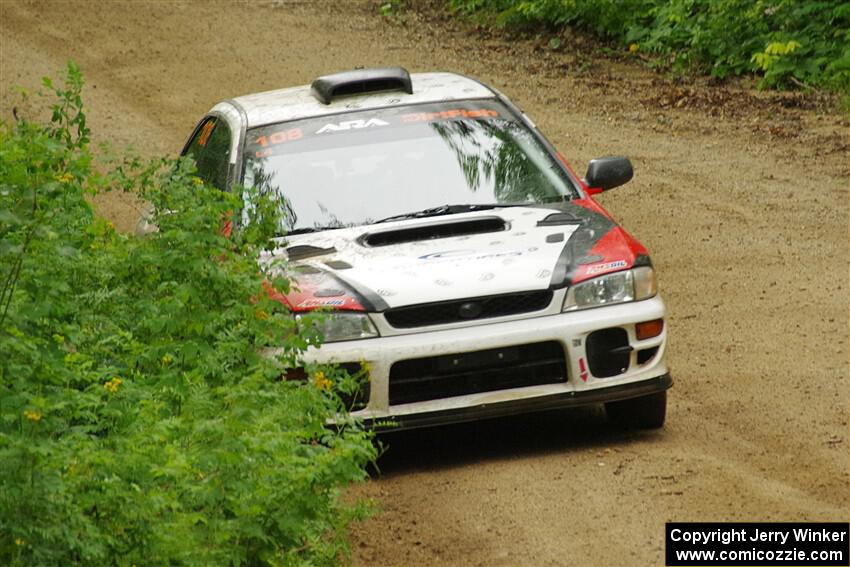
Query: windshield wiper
[[432, 212], [452, 210], [304, 230]]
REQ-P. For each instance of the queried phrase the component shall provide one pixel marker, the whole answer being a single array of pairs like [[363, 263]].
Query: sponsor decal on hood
[[605, 267]]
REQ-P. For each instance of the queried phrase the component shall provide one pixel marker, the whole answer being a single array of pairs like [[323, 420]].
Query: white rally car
[[461, 256]]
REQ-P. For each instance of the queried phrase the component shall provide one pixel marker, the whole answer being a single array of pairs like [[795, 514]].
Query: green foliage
[[139, 422], [719, 37], [393, 8]]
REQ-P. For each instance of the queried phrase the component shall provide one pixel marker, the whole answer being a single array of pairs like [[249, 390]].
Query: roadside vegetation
[[788, 43], [139, 422]]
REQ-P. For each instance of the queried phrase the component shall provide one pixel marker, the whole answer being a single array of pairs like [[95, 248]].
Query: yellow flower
[[321, 381], [64, 178], [19, 542], [166, 360], [197, 181], [633, 48], [112, 385], [32, 415]]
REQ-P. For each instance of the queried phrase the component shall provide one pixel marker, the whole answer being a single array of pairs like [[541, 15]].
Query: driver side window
[[210, 148]]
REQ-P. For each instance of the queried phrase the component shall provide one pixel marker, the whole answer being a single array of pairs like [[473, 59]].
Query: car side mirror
[[608, 172]]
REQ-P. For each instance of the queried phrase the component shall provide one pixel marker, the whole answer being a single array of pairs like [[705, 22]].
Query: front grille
[[450, 375], [443, 312]]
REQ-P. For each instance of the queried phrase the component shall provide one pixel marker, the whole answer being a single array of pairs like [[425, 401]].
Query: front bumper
[[570, 330], [527, 405]]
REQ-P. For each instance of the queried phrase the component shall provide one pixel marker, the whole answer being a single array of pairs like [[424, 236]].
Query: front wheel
[[645, 412]]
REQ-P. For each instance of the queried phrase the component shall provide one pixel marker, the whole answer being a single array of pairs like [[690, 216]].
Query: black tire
[[645, 412]]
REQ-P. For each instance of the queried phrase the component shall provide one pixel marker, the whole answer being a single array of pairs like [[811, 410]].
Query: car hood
[[482, 253]]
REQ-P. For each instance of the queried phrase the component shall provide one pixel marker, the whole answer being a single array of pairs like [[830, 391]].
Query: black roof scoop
[[360, 81]]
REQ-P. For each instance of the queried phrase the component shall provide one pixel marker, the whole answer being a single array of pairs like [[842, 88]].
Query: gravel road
[[741, 196]]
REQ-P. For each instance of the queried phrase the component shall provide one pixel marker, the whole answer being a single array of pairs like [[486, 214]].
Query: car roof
[[300, 102]]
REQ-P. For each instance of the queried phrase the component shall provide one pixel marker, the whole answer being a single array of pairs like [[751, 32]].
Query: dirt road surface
[[741, 196]]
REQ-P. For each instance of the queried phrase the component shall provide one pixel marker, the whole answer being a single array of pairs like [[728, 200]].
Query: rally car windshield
[[362, 167]]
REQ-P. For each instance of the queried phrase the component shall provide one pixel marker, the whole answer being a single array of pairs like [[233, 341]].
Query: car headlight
[[340, 325], [619, 287]]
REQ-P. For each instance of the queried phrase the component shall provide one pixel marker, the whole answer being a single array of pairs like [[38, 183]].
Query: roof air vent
[[359, 81]]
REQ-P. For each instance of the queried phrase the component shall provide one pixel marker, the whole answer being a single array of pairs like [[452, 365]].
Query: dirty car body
[[460, 256]]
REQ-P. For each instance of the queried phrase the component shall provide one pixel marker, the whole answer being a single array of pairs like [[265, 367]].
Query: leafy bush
[[720, 37], [139, 423]]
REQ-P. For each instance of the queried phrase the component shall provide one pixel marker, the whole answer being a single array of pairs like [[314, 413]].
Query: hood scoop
[[558, 219], [301, 251], [477, 225]]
